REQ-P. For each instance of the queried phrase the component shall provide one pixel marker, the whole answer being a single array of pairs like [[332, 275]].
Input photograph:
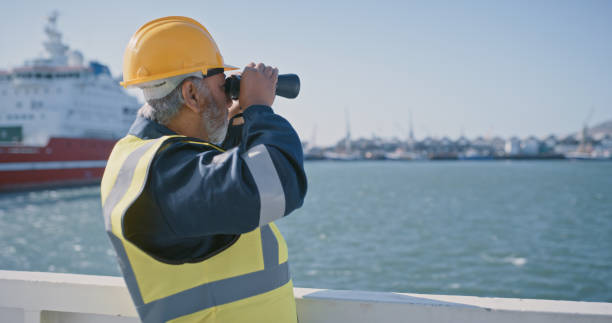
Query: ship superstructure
[[59, 114]]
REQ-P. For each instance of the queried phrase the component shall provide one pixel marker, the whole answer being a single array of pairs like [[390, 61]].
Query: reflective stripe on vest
[[157, 289]]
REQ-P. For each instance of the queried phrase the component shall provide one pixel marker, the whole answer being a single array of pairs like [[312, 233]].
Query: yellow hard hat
[[168, 47]]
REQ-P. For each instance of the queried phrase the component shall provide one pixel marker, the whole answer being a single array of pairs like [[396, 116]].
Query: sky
[[473, 68]]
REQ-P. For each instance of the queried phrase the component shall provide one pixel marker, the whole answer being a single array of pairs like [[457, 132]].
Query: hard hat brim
[[136, 82]]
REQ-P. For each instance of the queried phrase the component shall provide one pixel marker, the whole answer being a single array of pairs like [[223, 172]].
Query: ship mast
[[347, 140], [585, 144], [410, 140], [54, 46], [411, 132]]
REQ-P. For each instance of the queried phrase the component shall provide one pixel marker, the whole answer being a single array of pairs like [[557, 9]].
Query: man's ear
[[190, 93]]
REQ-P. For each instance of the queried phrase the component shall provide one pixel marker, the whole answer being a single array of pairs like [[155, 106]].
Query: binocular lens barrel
[[287, 86]]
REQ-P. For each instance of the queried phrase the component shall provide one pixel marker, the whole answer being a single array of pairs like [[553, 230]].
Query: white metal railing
[[34, 297]]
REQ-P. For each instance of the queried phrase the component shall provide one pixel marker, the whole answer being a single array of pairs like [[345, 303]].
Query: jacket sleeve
[[203, 192]]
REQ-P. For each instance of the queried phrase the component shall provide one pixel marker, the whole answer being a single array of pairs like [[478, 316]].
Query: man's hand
[[258, 85]]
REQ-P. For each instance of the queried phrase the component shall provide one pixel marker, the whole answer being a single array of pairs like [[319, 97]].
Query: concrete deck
[[34, 297]]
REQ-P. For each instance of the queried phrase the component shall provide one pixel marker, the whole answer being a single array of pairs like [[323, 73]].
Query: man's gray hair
[[165, 109]]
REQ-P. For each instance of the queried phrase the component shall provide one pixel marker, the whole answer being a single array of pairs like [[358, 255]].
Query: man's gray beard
[[216, 125]]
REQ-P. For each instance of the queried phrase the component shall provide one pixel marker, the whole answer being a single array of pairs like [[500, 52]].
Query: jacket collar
[[148, 129]]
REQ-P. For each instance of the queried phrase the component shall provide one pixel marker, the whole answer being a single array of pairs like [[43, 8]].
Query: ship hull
[[62, 162], [37, 179]]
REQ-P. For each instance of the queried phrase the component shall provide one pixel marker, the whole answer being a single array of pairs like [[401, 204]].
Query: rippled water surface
[[508, 229]]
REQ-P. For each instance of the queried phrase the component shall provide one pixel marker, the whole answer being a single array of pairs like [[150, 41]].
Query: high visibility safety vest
[[247, 282]]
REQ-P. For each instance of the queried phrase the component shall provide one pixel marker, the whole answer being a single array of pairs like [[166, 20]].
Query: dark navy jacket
[[198, 200]]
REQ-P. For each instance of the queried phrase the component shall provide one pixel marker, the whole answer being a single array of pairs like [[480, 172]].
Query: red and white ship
[[59, 118]]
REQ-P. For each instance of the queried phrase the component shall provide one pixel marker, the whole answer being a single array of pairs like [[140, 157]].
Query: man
[[191, 221]]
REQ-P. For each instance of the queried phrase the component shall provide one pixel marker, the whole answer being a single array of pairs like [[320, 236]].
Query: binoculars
[[287, 86]]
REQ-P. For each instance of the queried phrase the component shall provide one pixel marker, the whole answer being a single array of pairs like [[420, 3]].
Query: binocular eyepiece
[[288, 86]]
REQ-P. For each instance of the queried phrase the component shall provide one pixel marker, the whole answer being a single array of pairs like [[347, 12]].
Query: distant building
[[446, 145], [498, 144], [480, 143], [430, 145], [463, 143], [530, 146], [567, 144], [605, 141], [513, 146], [602, 129], [548, 144]]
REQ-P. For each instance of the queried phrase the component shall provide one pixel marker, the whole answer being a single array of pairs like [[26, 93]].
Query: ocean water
[[528, 229]]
